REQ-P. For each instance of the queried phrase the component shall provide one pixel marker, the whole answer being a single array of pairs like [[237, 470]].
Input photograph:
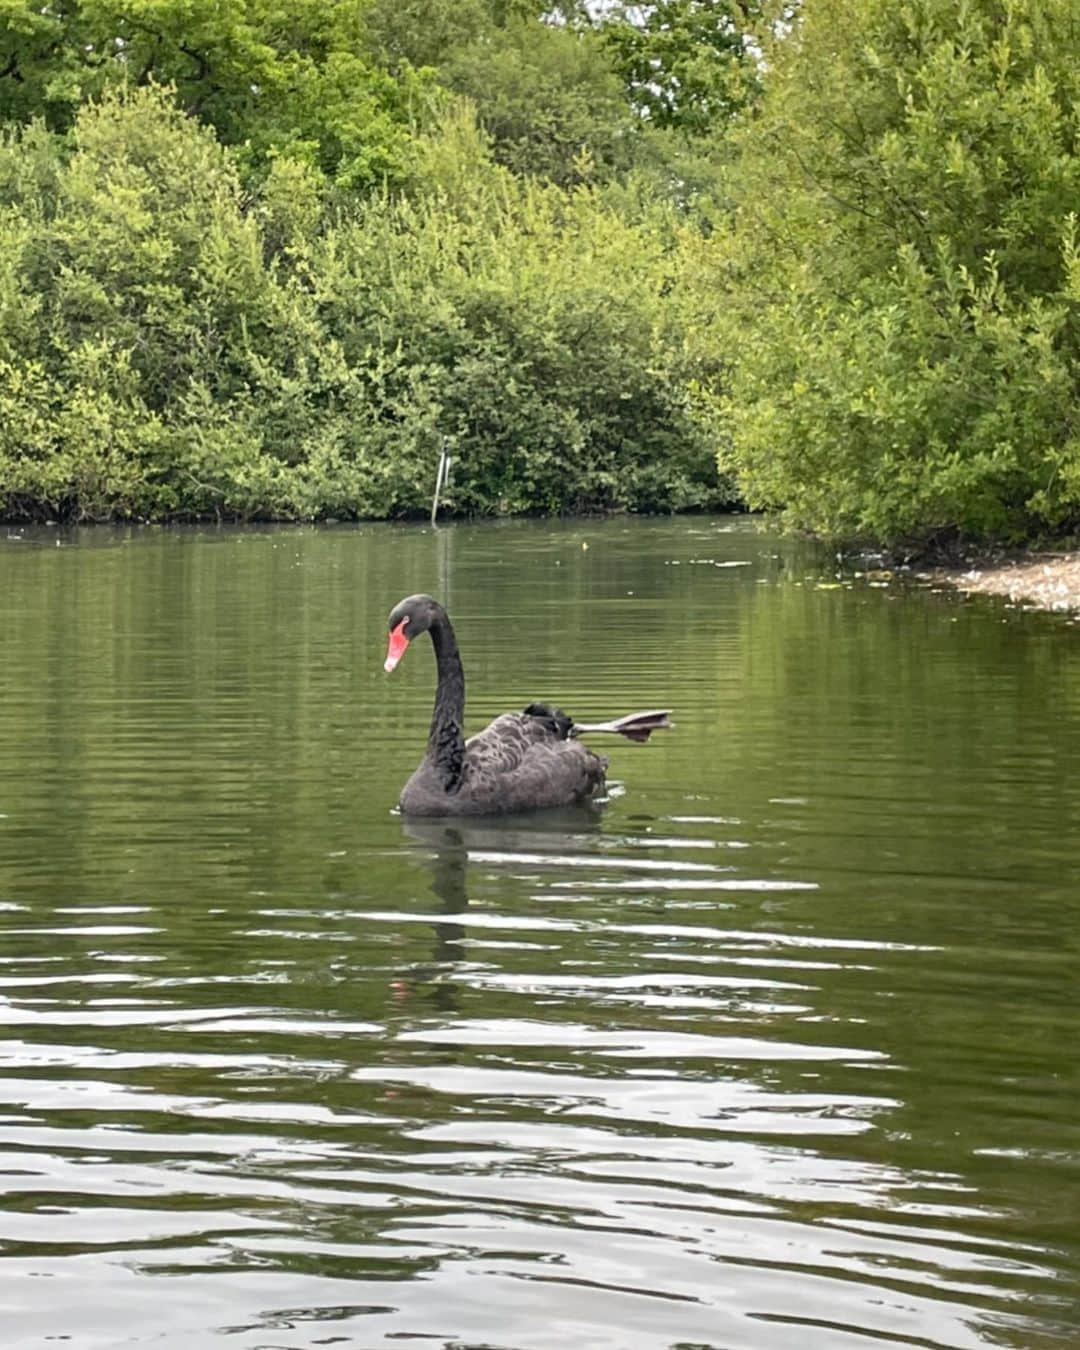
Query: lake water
[[779, 1049]]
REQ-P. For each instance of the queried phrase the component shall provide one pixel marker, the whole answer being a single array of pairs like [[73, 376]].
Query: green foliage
[[548, 99], [552, 95], [256, 259], [404, 33], [517, 330], [271, 76], [169, 348], [686, 64], [900, 289]]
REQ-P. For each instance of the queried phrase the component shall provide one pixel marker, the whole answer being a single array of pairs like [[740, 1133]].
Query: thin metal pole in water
[[441, 476]]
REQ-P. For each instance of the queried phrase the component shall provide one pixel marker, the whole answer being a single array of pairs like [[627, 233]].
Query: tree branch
[[200, 61]]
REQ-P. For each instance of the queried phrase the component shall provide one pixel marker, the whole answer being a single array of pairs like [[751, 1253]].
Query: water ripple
[[775, 1050]]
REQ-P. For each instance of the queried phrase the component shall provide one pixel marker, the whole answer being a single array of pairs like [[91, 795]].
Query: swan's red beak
[[396, 647]]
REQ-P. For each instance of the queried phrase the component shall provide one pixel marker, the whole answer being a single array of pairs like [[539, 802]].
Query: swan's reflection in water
[[449, 844]]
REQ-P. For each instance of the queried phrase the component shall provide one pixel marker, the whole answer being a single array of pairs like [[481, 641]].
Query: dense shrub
[[170, 347], [899, 294]]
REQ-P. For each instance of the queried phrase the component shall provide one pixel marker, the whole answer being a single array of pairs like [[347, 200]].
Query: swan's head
[[408, 619]]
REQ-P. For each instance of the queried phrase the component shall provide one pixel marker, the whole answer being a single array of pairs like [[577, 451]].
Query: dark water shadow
[[449, 844]]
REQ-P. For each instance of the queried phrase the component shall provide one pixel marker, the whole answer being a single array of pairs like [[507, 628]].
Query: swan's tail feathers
[[635, 726]]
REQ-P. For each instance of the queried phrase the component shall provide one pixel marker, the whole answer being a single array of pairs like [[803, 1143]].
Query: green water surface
[[778, 1049]]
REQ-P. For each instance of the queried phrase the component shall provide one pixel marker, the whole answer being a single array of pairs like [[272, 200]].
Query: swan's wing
[[517, 764]]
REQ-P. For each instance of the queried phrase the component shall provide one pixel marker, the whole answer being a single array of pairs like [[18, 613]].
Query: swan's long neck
[[446, 740]]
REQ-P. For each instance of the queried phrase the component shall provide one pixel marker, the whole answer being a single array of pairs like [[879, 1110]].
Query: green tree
[[898, 294], [404, 33], [685, 64], [549, 100], [271, 77]]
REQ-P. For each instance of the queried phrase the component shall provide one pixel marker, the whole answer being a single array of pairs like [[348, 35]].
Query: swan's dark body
[[521, 762], [517, 763]]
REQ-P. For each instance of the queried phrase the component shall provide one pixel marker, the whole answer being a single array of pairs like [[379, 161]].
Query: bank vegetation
[[261, 260]]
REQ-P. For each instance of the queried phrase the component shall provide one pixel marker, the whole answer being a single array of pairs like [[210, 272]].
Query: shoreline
[[1049, 580]]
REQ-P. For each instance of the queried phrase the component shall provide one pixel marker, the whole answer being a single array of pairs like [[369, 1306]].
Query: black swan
[[522, 762]]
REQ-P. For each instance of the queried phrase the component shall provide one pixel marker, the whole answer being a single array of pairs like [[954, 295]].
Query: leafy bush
[[169, 348], [899, 291]]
